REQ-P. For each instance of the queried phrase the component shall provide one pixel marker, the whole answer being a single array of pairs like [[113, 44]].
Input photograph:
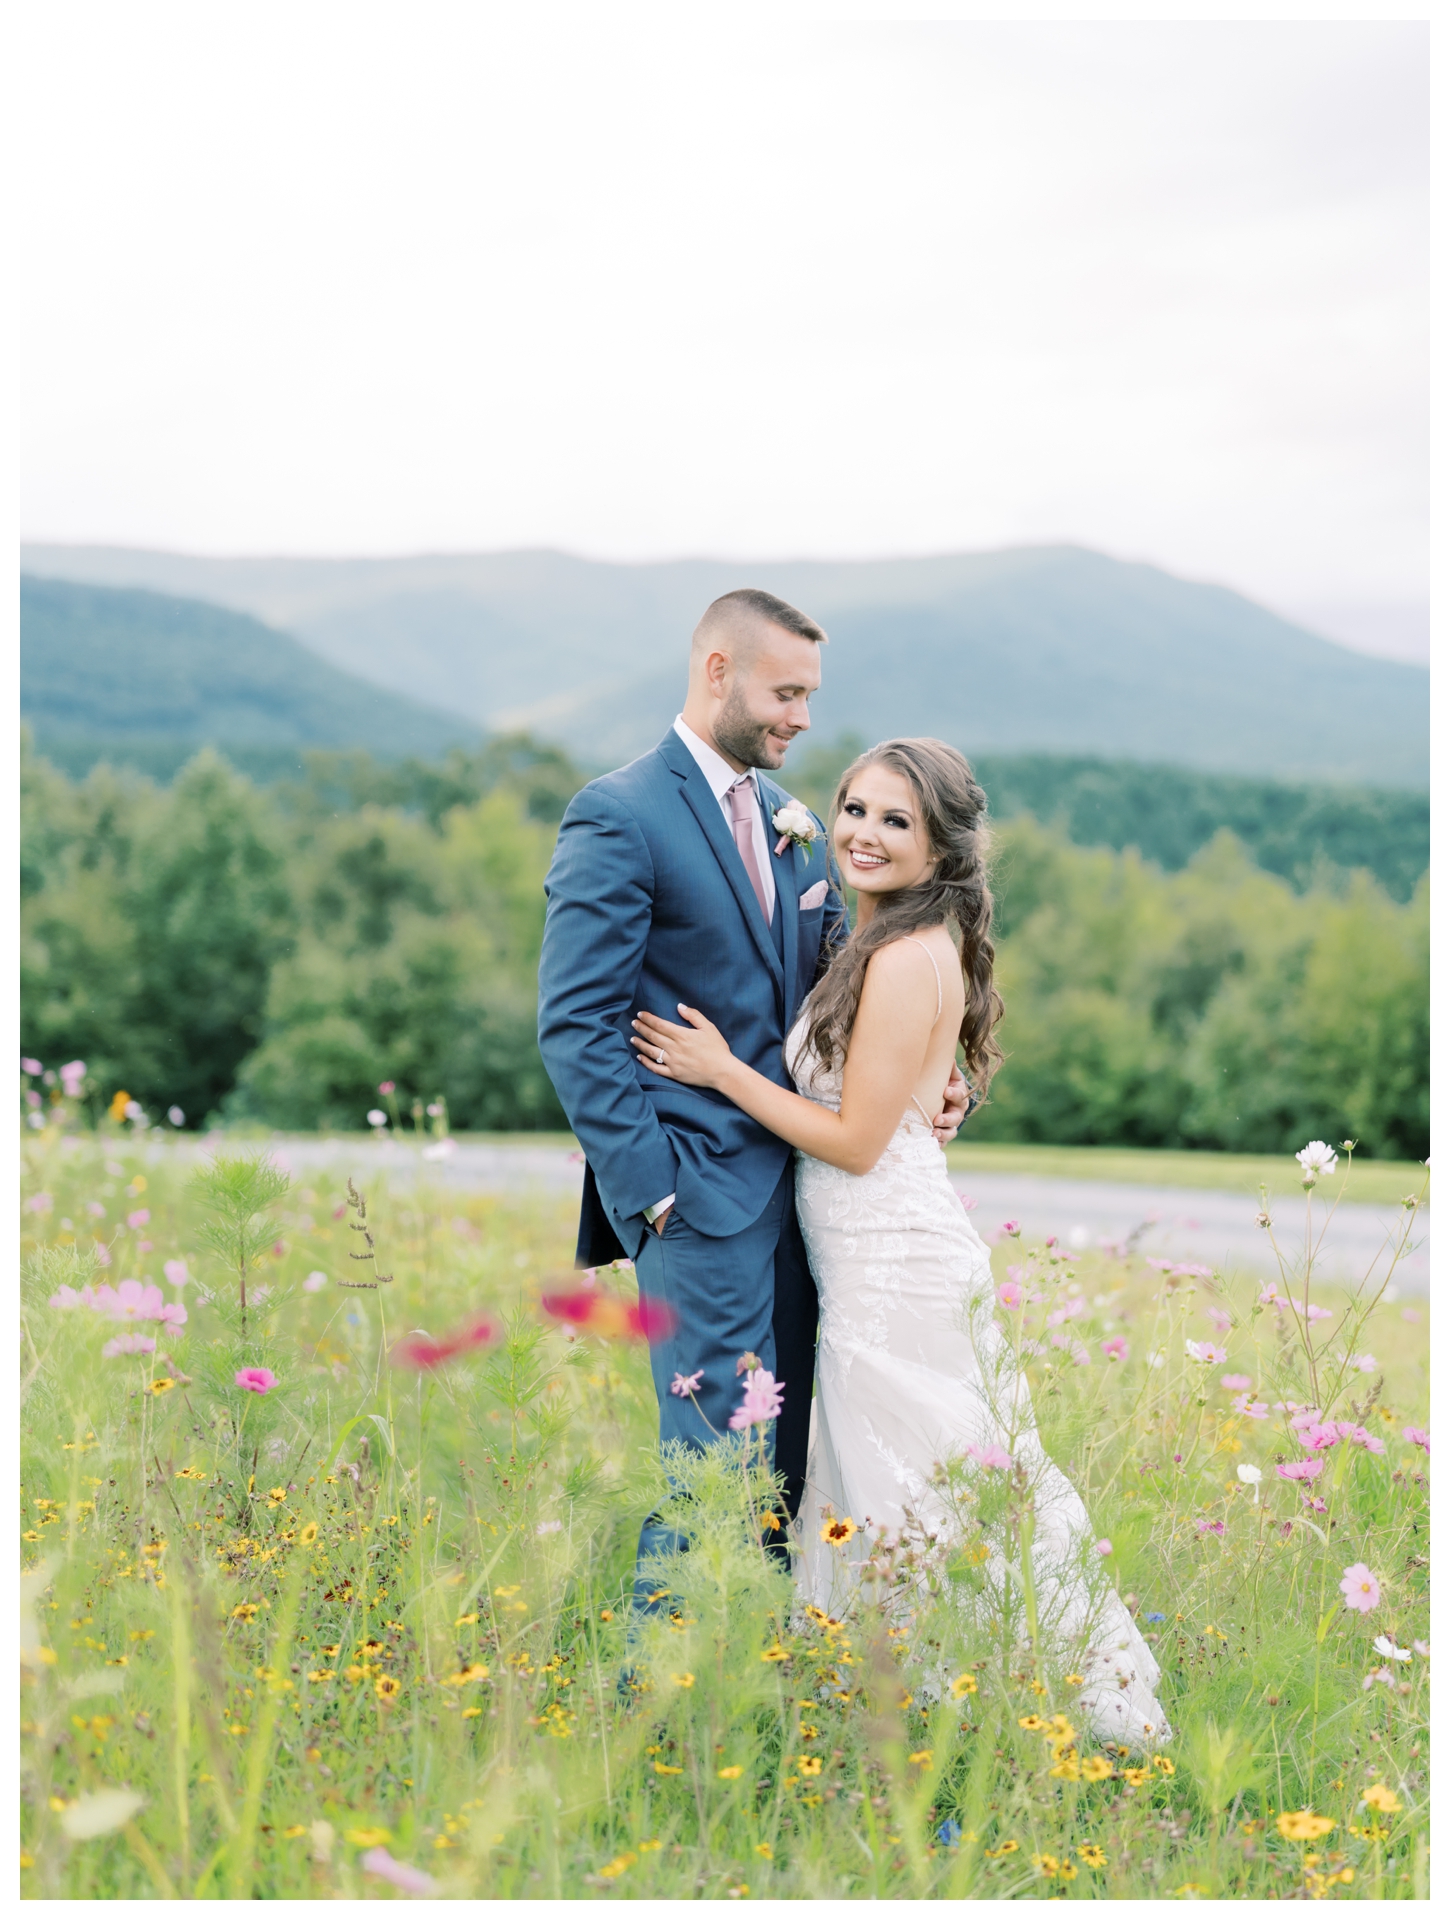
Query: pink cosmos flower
[[1300, 1470], [1236, 1382], [1191, 1270], [73, 1078], [128, 1343], [1010, 1294], [315, 1282], [1250, 1408], [968, 1206], [1074, 1309], [40, 1203], [1206, 1352], [1219, 1319], [32, 1067], [139, 1218], [103, 1254], [387, 1086], [1371, 1442], [1104, 1547], [1011, 1226], [256, 1379], [1362, 1362], [1314, 1502], [1211, 1526], [991, 1456], [1163, 1266], [379, 1862], [67, 1297], [176, 1273], [1418, 1437], [1271, 1297], [1360, 1588], [1116, 1348], [683, 1385], [764, 1398]]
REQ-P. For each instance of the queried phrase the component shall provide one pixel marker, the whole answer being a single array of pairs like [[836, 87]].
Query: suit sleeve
[[600, 894]]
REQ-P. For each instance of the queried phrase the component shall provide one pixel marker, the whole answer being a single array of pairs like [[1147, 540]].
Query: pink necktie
[[742, 825]]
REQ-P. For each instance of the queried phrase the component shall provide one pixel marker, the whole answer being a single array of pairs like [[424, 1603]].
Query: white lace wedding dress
[[912, 1368]]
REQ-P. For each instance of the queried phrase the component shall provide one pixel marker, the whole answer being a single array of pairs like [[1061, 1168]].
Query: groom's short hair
[[734, 615]]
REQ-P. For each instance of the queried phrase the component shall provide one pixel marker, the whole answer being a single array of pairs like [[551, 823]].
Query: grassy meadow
[[326, 1593]]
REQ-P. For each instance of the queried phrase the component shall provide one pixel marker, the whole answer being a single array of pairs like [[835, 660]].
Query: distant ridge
[[105, 669], [1033, 649]]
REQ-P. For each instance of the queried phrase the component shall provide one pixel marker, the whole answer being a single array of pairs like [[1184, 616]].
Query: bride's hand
[[695, 1055]]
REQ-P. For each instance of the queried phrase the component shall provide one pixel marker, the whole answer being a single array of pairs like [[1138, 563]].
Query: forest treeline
[[274, 952]]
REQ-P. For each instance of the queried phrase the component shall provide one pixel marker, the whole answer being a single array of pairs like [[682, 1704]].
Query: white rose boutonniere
[[795, 826]]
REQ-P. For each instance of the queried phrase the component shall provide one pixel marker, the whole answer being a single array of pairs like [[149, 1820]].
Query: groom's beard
[[746, 739]]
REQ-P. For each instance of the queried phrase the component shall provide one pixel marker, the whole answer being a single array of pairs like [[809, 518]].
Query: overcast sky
[[375, 280]]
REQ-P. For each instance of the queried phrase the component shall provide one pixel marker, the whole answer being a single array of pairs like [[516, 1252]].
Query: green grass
[[435, 1669], [1372, 1182]]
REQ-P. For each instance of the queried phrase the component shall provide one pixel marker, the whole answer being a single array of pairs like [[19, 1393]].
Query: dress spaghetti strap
[[937, 971]]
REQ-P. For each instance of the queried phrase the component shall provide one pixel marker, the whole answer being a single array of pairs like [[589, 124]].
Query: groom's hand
[[956, 1102], [658, 1223]]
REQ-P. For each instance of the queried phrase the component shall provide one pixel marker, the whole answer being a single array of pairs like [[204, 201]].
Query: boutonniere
[[795, 827]]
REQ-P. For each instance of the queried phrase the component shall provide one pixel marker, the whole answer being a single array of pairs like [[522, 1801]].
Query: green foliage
[[239, 1193], [383, 1608]]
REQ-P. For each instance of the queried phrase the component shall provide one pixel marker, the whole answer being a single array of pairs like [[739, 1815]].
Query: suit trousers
[[747, 1292]]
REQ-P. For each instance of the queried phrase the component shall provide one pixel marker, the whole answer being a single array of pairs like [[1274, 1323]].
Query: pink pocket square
[[813, 896]]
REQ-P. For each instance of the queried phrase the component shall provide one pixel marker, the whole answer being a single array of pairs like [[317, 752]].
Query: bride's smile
[[880, 838]]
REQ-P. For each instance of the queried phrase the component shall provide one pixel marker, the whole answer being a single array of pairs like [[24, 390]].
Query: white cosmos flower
[[1317, 1158], [1383, 1644], [1251, 1476], [377, 1118], [97, 1813]]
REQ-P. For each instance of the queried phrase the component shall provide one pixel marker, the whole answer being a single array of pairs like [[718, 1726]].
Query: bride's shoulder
[[913, 957]]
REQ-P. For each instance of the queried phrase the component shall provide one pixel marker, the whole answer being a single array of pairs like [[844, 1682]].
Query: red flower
[[423, 1353], [605, 1314]]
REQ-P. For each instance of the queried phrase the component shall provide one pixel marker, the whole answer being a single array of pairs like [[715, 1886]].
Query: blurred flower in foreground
[[256, 1379], [376, 1117], [990, 1456], [1251, 1476], [1206, 1352], [379, 1862], [1360, 1588], [1418, 1437], [605, 1314], [128, 1343], [423, 1352], [1115, 1348], [315, 1282]]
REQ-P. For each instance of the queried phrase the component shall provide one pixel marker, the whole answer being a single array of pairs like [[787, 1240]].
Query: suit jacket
[[649, 904]]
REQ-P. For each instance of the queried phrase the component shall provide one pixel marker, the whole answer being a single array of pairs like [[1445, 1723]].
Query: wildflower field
[[327, 1584]]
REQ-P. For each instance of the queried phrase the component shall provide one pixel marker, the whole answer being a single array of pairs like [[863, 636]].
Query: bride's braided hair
[[954, 811]]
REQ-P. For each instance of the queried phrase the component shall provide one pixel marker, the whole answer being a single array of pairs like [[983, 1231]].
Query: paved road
[[1188, 1224]]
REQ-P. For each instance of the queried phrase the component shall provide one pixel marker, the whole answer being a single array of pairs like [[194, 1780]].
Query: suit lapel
[[695, 790], [786, 867]]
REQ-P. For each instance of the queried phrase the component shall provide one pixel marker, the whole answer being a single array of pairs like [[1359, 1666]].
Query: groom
[[670, 882]]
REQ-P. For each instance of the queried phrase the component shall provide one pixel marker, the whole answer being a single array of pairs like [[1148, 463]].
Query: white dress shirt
[[722, 776]]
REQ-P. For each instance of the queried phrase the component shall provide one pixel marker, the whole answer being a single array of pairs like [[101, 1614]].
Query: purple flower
[[256, 1379], [128, 1343], [991, 1456], [1116, 1348], [1211, 1526], [764, 1398], [683, 1385], [379, 1862]]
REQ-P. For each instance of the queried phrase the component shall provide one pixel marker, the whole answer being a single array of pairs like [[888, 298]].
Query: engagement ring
[[660, 1056]]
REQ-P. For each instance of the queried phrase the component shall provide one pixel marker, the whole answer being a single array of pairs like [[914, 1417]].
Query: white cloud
[[322, 279]]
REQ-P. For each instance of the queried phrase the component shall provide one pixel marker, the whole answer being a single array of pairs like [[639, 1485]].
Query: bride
[[912, 1369]]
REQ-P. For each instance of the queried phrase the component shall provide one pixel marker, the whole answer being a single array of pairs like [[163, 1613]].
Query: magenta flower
[[1360, 1588], [1011, 1226], [387, 1086], [1010, 1294], [1211, 1526], [256, 1379], [1104, 1547], [1300, 1470], [379, 1862], [683, 1385], [1371, 1442], [1116, 1348], [991, 1456], [1418, 1437], [139, 1218], [1319, 1437], [128, 1343], [764, 1398]]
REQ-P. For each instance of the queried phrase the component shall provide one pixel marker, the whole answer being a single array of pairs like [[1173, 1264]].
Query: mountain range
[[1035, 649]]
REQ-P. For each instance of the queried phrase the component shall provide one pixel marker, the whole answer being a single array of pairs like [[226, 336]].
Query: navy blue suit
[[649, 905]]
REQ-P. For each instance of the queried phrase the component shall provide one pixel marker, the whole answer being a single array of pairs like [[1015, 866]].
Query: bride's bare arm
[[888, 1048]]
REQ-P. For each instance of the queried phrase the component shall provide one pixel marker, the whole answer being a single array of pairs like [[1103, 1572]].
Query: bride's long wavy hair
[[954, 812]]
